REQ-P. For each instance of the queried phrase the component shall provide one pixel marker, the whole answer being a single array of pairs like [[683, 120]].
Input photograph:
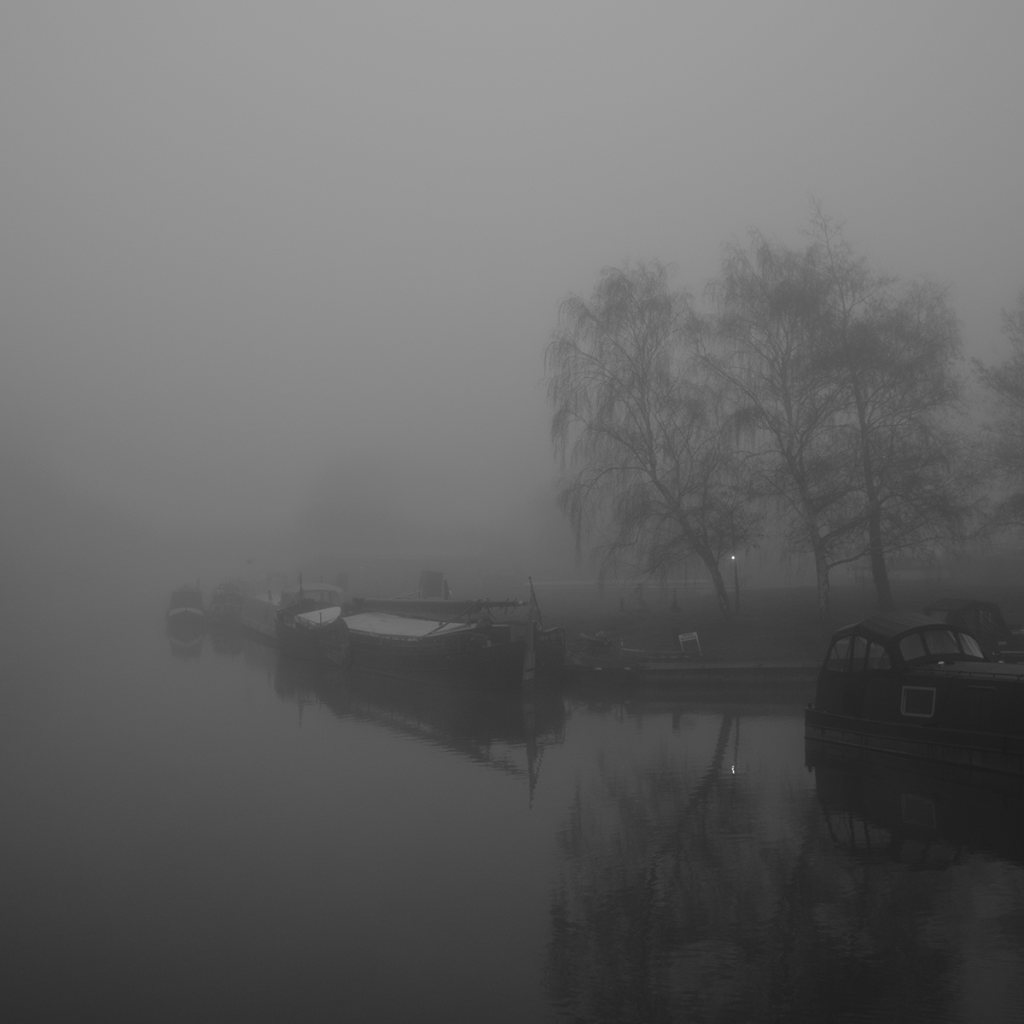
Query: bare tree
[[765, 343], [895, 350], [650, 463], [1004, 383], [847, 384]]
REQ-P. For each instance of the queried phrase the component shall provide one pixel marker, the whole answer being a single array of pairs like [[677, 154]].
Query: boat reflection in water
[[185, 636], [185, 622], [226, 643], [501, 728], [921, 814], [701, 883]]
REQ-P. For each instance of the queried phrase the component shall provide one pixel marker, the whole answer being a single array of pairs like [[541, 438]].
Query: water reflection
[[673, 902], [925, 816], [505, 730], [926, 897], [226, 642], [696, 887], [674, 861], [185, 639]]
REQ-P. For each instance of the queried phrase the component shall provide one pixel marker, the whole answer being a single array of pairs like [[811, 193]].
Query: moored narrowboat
[[911, 686], [186, 606], [450, 639], [310, 623]]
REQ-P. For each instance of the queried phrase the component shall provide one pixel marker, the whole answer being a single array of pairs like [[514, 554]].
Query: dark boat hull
[[328, 645], [965, 748], [458, 656]]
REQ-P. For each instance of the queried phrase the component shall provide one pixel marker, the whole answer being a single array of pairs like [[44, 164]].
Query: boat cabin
[[898, 641], [912, 686], [981, 618], [885, 667]]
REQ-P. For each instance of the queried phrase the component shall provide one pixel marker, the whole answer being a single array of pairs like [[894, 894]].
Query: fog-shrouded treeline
[[276, 284], [804, 413], [805, 401]]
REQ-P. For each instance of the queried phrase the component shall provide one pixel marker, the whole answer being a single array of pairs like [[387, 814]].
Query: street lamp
[[736, 582]]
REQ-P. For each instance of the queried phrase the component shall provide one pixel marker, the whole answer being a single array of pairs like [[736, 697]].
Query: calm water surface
[[217, 835]]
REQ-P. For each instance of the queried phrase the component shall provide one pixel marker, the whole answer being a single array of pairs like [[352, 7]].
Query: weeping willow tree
[[651, 473]]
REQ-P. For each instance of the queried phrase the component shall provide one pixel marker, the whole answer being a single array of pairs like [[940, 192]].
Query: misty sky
[[247, 248]]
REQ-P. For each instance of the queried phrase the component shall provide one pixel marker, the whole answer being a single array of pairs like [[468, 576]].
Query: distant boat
[[310, 623], [448, 639], [186, 606], [602, 653], [226, 603], [258, 614], [436, 637]]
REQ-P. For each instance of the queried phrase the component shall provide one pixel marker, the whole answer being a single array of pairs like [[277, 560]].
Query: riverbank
[[774, 624]]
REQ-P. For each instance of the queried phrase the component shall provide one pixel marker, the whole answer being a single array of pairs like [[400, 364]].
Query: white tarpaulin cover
[[321, 617], [386, 624]]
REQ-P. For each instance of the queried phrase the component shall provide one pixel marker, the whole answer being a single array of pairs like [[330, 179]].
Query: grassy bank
[[773, 624]]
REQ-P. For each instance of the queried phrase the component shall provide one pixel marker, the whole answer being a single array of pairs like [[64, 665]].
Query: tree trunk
[[876, 548], [720, 592], [821, 570], [818, 549], [879, 572]]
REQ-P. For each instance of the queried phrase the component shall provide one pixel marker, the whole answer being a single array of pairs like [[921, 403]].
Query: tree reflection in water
[[684, 897]]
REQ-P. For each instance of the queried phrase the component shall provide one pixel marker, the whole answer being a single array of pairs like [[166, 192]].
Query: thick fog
[[288, 270]]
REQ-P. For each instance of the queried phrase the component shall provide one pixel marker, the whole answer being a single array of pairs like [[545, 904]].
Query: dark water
[[209, 834]]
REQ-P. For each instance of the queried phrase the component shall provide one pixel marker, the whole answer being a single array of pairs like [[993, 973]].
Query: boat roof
[[386, 624], [321, 617], [887, 625]]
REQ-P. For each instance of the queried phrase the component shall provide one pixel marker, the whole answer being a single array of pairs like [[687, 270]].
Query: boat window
[[878, 658], [839, 656], [918, 701], [942, 641], [911, 647], [860, 648], [970, 645]]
